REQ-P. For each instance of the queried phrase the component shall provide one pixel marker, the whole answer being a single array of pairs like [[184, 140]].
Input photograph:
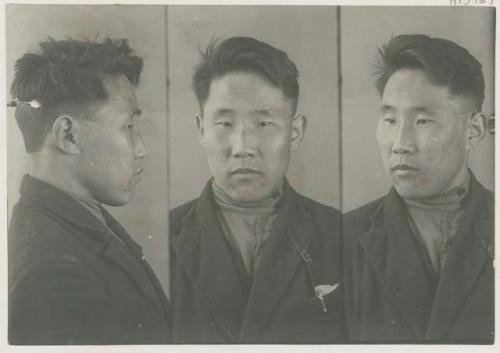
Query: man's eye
[[423, 121], [389, 121], [130, 126], [223, 124], [264, 123]]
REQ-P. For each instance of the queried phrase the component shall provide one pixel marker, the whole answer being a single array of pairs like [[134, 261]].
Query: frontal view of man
[[252, 260], [419, 261], [75, 275]]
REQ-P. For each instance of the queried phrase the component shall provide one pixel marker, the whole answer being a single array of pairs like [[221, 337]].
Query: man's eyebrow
[[223, 111], [423, 109], [263, 111], [386, 109], [418, 109]]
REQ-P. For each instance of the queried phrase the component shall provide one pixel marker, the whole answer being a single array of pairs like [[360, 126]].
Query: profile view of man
[[75, 275], [253, 261], [419, 261]]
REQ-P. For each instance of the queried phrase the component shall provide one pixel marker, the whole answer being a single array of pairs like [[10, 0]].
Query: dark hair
[[66, 76], [245, 54], [445, 62]]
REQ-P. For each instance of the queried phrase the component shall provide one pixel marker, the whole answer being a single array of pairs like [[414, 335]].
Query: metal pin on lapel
[[322, 290], [322, 302]]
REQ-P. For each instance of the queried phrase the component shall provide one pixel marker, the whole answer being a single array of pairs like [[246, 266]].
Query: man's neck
[[448, 198], [58, 176], [224, 200]]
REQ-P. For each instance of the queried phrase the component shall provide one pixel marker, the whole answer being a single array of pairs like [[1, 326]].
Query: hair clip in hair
[[15, 103], [491, 124]]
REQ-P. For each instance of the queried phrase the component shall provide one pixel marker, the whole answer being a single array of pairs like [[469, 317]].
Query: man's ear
[[201, 130], [298, 129], [65, 134], [476, 129]]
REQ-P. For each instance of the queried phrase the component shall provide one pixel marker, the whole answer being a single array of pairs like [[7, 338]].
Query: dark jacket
[[390, 295], [213, 302], [72, 282]]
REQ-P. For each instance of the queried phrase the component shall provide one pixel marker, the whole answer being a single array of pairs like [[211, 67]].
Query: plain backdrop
[[146, 216], [309, 36], [363, 30]]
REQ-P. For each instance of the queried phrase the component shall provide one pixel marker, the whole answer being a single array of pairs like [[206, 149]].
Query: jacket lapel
[[93, 233], [279, 263], [472, 248], [128, 255], [205, 255], [393, 254]]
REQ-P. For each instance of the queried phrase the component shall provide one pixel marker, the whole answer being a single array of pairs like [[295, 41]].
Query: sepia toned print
[[249, 174]]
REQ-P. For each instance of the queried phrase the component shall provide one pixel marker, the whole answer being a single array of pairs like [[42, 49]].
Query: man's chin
[[116, 200], [412, 192], [247, 195]]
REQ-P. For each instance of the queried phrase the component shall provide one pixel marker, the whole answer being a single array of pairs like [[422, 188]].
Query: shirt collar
[[224, 201]]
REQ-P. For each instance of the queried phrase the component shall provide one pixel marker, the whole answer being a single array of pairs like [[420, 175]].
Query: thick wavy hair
[[67, 76], [248, 55], [445, 63]]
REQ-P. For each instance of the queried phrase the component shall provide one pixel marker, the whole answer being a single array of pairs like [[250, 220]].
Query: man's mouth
[[403, 168], [244, 171]]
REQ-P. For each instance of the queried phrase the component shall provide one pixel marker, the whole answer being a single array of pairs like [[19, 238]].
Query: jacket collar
[[392, 252], [206, 256], [472, 248], [291, 233], [57, 203]]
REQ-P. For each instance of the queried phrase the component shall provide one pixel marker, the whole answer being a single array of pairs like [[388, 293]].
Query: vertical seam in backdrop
[[339, 98]]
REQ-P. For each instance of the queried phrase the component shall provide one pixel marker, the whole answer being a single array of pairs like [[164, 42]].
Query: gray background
[[308, 36], [363, 29], [26, 25]]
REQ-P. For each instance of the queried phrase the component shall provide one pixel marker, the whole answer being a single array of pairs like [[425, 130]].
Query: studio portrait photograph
[[265, 176]]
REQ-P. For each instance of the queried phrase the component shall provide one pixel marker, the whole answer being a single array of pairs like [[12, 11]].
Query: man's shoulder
[[489, 196], [177, 214], [364, 211], [30, 225], [326, 221], [483, 199], [358, 219], [318, 209], [37, 235]]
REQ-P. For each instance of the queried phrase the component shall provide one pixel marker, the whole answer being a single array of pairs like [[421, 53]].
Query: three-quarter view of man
[[419, 261]]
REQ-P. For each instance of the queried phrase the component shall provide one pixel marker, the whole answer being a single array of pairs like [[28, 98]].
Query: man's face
[[422, 135], [248, 131], [111, 145]]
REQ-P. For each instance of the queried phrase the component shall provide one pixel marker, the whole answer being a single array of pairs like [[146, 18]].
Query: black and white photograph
[[248, 176]]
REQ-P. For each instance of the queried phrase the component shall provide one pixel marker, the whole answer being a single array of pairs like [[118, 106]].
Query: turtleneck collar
[[92, 205], [450, 199], [225, 202]]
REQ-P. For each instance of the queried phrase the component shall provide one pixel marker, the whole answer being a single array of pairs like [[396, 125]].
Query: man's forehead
[[249, 88], [413, 88], [240, 80], [121, 92]]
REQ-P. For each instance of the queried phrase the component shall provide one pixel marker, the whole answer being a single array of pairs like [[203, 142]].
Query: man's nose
[[404, 140], [139, 146], [243, 142]]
